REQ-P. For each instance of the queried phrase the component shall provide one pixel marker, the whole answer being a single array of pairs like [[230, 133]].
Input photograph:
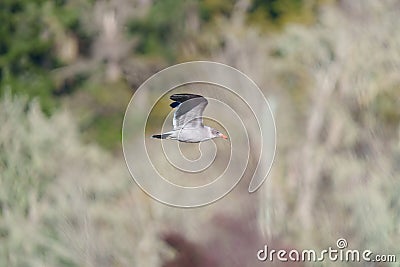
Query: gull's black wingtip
[[183, 97], [161, 136], [174, 104]]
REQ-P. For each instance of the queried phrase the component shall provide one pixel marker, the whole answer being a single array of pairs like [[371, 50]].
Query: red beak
[[223, 136]]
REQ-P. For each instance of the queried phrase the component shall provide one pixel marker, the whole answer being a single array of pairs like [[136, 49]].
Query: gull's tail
[[161, 136]]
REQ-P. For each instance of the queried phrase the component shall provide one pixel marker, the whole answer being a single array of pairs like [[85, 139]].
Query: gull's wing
[[190, 110]]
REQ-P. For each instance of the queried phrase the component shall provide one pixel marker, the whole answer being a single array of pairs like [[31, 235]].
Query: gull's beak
[[223, 136]]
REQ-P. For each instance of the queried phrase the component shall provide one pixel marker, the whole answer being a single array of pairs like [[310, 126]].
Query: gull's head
[[215, 133]]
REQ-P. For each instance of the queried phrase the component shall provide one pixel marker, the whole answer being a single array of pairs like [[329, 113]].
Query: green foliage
[[27, 47], [25, 50], [210, 9], [34, 32], [161, 29], [273, 14]]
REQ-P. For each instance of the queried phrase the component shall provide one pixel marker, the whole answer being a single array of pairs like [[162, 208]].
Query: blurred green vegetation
[[49, 179], [69, 67], [25, 51], [275, 13], [41, 38], [160, 31]]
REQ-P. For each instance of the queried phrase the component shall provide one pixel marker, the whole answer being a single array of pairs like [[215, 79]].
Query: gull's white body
[[191, 135]]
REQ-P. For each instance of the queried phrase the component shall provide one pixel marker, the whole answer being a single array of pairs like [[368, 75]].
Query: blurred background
[[330, 69]]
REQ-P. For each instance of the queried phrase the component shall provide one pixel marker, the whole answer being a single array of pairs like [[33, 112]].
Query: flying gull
[[188, 120]]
